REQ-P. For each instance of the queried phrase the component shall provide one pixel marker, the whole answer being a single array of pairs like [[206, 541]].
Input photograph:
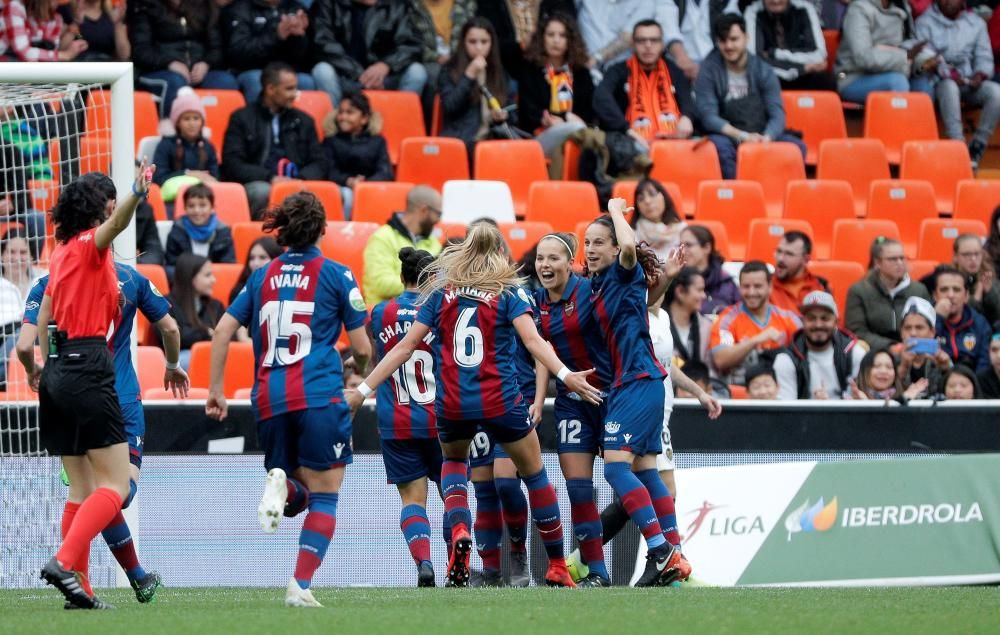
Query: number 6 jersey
[[474, 349], [294, 308], [404, 403]]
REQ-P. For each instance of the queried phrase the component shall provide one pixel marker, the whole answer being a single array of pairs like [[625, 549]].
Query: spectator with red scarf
[[644, 98]]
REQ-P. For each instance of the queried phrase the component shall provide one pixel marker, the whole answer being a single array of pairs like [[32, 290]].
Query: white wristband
[[365, 390], [173, 366], [563, 374]]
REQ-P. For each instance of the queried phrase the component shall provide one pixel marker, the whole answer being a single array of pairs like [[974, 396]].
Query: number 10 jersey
[[294, 308]]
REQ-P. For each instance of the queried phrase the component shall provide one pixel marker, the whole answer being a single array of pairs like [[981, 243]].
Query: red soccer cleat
[[458, 563], [558, 575]]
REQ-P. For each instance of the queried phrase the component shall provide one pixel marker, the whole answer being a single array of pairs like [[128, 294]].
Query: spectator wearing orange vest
[[792, 279]]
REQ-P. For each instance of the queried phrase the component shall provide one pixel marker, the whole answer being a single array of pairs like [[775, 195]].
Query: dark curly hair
[[300, 220], [415, 262], [576, 52], [644, 255], [82, 205]]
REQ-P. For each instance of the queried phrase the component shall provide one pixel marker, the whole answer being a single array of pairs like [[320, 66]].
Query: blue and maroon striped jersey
[[474, 350], [294, 308], [404, 405], [569, 324], [619, 297]]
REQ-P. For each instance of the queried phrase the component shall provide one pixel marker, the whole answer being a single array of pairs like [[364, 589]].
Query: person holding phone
[[922, 361]]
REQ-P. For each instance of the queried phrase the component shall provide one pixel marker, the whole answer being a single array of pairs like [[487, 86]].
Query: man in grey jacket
[[964, 68], [738, 96]]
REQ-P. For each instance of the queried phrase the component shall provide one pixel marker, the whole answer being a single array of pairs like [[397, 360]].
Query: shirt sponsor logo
[[612, 427]]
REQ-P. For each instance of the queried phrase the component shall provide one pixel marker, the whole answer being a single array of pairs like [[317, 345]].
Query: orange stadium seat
[[976, 199], [231, 203], [155, 200], [852, 239], [522, 237], [921, 268], [327, 192], [734, 203], [839, 275], [345, 243], [445, 231], [857, 161], [151, 363], [219, 106], [819, 115], [896, 118], [243, 236], [98, 104], [226, 275], [937, 236], [432, 161], [906, 203], [243, 393], [157, 275], [43, 194], [686, 163], [402, 117], [147, 116], [437, 117], [517, 163], [159, 394], [239, 369], [772, 165], [571, 161], [562, 204], [316, 104], [821, 203], [941, 163], [721, 235], [375, 201], [766, 233], [831, 37]]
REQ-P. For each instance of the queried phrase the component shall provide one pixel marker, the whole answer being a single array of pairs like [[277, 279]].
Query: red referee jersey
[[83, 286]]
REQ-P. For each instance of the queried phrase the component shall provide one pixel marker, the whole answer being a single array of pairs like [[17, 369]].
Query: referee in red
[[79, 415]]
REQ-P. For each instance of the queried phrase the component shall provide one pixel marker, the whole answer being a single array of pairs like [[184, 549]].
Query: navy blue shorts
[[407, 460], [580, 425], [486, 433], [634, 421], [135, 430], [316, 438]]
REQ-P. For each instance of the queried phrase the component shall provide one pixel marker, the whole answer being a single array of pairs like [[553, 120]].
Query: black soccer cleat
[[458, 565], [594, 580], [520, 575], [145, 589], [67, 583], [489, 578], [664, 565], [98, 604], [425, 575]]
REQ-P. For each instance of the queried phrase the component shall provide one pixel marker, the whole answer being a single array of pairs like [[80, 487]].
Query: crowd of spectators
[[631, 72]]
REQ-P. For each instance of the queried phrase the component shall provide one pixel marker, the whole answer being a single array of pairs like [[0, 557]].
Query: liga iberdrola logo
[[819, 516]]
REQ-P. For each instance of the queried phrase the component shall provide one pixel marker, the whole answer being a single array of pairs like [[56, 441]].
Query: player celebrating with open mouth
[[473, 302], [294, 308]]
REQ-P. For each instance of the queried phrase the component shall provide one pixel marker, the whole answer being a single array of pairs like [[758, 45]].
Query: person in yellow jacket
[[410, 228]]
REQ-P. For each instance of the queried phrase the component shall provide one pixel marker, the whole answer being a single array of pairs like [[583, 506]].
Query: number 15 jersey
[[474, 348], [294, 308]]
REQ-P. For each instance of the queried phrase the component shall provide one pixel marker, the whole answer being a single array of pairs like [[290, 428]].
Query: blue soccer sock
[[455, 490], [417, 532], [317, 532], [489, 524], [119, 540], [515, 511], [545, 513], [663, 504], [636, 500], [587, 523], [446, 532]]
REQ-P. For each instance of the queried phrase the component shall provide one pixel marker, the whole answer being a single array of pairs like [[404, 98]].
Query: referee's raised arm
[[122, 215]]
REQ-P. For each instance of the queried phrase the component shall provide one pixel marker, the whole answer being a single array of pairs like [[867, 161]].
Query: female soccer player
[[567, 321], [474, 303], [294, 308], [406, 422], [80, 418], [633, 423], [138, 294]]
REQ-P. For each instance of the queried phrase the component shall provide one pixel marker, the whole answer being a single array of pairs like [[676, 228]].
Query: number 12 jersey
[[294, 308]]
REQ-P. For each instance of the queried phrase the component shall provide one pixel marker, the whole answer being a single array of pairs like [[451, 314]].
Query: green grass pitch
[[517, 611]]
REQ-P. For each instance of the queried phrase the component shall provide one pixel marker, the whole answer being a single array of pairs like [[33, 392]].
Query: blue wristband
[[141, 195]]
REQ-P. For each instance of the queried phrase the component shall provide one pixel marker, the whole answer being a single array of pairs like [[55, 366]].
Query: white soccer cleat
[[272, 503], [300, 598]]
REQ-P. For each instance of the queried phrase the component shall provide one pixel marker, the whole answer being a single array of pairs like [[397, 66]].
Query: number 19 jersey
[[474, 349], [404, 403], [294, 308]]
